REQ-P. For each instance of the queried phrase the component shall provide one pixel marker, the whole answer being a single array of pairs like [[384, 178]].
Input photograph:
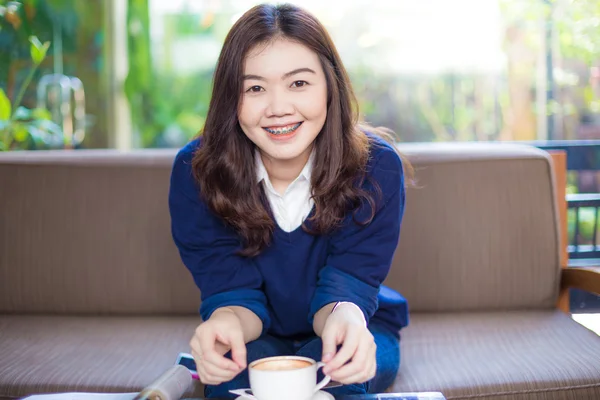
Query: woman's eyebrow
[[285, 76], [297, 71]]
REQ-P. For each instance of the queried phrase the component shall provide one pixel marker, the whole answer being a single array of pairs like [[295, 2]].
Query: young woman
[[287, 213]]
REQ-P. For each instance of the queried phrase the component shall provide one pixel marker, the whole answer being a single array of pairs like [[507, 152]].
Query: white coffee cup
[[283, 377]]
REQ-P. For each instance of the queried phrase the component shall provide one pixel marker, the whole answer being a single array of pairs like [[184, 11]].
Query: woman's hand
[[212, 339], [346, 326]]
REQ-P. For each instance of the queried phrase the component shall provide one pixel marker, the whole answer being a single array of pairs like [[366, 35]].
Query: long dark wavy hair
[[224, 164]]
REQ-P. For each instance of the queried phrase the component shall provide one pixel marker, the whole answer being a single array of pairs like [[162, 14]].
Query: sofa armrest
[[584, 278]]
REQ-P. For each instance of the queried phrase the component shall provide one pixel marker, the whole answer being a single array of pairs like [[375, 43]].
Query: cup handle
[[324, 381], [244, 393]]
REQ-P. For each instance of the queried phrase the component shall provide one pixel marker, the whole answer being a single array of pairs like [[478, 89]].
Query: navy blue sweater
[[298, 273]]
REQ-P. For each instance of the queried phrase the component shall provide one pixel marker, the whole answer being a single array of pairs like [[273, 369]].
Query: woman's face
[[284, 100]]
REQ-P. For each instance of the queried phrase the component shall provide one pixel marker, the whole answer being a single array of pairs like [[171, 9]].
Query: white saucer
[[320, 395]]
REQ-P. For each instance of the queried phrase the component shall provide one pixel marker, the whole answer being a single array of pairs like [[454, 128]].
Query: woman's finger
[[209, 353], [217, 373], [329, 339], [364, 375], [344, 354], [373, 371], [213, 369], [235, 340], [205, 377], [197, 359], [359, 364], [360, 377], [224, 375], [372, 364], [195, 344]]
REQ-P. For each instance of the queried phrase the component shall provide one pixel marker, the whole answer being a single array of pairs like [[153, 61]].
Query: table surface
[[390, 396], [396, 396]]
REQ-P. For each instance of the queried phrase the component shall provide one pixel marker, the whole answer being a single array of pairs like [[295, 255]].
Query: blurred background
[[431, 70], [130, 74]]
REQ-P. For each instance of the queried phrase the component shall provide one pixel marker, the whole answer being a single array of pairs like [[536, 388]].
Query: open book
[[169, 386]]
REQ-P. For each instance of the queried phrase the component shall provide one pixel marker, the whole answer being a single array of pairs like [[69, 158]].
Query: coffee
[[283, 377], [282, 365]]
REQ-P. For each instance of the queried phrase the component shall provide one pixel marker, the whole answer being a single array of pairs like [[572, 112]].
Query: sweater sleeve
[[360, 256], [208, 249]]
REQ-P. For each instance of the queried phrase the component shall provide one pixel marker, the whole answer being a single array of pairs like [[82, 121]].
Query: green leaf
[[36, 134], [48, 126], [5, 107], [35, 41], [20, 133], [22, 114], [49, 132], [38, 50], [41, 113]]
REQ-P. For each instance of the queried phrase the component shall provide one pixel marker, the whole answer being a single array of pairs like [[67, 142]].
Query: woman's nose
[[279, 104]]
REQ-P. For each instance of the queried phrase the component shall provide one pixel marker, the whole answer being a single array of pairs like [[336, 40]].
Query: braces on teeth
[[283, 131]]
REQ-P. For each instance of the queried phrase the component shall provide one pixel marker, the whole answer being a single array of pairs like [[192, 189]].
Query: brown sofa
[[93, 295]]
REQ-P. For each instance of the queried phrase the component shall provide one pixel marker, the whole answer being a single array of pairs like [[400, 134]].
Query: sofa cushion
[[496, 356], [537, 355], [480, 230], [89, 232], [48, 354]]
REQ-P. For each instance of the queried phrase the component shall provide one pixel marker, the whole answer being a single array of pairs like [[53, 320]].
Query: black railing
[[582, 156], [577, 250]]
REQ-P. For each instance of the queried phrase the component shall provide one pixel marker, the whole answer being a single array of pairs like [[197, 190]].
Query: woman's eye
[[255, 89], [299, 84]]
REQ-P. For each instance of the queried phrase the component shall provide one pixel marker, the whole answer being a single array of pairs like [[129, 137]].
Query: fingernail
[[327, 357]]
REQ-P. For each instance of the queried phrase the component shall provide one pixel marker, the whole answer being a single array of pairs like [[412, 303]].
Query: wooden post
[[559, 160]]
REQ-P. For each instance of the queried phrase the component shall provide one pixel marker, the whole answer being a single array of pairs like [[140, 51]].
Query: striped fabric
[[85, 242], [480, 231], [47, 354], [498, 356], [529, 355], [81, 237]]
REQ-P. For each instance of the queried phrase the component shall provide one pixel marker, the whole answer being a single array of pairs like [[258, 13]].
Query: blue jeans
[[388, 362]]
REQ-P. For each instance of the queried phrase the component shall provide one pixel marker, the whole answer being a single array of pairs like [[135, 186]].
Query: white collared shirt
[[291, 208]]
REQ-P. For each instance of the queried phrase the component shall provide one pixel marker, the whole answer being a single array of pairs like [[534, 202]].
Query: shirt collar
[[261, 171]]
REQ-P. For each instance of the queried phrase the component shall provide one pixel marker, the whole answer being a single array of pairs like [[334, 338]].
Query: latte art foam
[[281, 365]]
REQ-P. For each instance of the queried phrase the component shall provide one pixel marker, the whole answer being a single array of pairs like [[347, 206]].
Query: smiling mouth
[[283, 130]]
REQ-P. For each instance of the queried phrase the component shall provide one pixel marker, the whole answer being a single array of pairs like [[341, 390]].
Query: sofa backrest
[[480, 230], [89, 232]]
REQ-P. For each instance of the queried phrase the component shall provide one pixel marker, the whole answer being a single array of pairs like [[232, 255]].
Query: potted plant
[[21, 127]]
